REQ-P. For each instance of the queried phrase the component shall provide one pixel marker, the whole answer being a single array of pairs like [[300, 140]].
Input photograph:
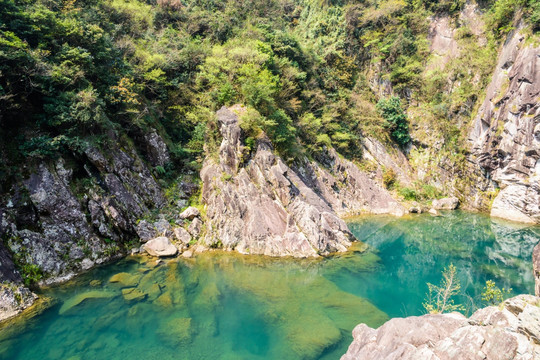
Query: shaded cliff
[[67, 215]]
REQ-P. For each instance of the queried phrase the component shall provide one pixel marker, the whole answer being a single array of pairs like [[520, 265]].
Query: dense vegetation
[[74, 72]]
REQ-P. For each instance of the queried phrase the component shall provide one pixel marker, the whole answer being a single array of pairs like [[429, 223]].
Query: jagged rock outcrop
[[263, 206], [508, 332], [14, 297], [506, 134]]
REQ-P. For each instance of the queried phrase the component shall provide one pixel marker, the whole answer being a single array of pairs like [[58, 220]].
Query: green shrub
[[493, 295], [408, 193], [389, 178], [396, 120]]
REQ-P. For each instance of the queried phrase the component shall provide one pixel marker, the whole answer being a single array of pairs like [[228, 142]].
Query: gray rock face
[[263, 206], [161, 247], [61, 229], [157, 149], [14, 297], [506, 135], [446, 203], [510, 332]]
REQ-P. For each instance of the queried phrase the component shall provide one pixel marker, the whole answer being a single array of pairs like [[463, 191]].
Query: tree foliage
[[74, 71], [395, 120]]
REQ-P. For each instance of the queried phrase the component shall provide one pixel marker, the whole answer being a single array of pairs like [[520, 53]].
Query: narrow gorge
[[280, 179]]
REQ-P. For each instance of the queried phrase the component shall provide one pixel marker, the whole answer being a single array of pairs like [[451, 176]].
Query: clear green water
[[226, 306]]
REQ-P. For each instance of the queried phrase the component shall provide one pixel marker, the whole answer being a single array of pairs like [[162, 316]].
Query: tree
[[439, 298], [493, 295]]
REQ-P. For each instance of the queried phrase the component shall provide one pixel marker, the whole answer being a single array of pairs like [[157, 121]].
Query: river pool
[[222, 305]]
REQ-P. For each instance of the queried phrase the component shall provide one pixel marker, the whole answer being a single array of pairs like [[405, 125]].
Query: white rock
[[190, 213], [161, 247]]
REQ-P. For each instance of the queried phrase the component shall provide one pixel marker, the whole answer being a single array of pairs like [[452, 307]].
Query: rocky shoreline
[[508, 331]]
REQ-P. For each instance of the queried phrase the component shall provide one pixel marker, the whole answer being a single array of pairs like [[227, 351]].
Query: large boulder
[[161, 247], [450, 203]]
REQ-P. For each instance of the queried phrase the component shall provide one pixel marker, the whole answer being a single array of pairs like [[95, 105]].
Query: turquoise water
[[226, 306]]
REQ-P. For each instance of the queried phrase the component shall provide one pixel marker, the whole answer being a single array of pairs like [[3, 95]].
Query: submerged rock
[[81, 298], [125, 279], [507, 332], [161, 247], [133, 295], [176, 332]]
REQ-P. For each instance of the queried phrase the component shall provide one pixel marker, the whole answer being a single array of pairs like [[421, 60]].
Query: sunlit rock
[[161, 247]]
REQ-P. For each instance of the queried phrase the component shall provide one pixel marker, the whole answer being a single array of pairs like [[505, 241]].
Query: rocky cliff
[[258, 204], [506, 133], [66, 216]]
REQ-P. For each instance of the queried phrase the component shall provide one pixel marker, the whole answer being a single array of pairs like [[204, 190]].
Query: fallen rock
[[187, 254], [415, 209], [450, 203], [182, 235], [190, 213], [145, 231], [434, 212], [87, 264], [163, 227], [195, 227], [161, 247]]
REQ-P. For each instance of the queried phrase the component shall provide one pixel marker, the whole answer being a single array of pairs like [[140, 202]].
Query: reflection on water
[[226, 306], [414, 250]]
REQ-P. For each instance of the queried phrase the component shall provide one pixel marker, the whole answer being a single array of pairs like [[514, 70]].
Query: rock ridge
[[264, 206]]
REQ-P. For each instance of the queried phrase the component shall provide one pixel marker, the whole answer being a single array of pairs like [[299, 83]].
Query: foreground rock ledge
[[511, 331]]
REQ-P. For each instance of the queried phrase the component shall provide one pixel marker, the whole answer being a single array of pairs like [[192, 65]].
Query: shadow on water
[[226, 306]]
